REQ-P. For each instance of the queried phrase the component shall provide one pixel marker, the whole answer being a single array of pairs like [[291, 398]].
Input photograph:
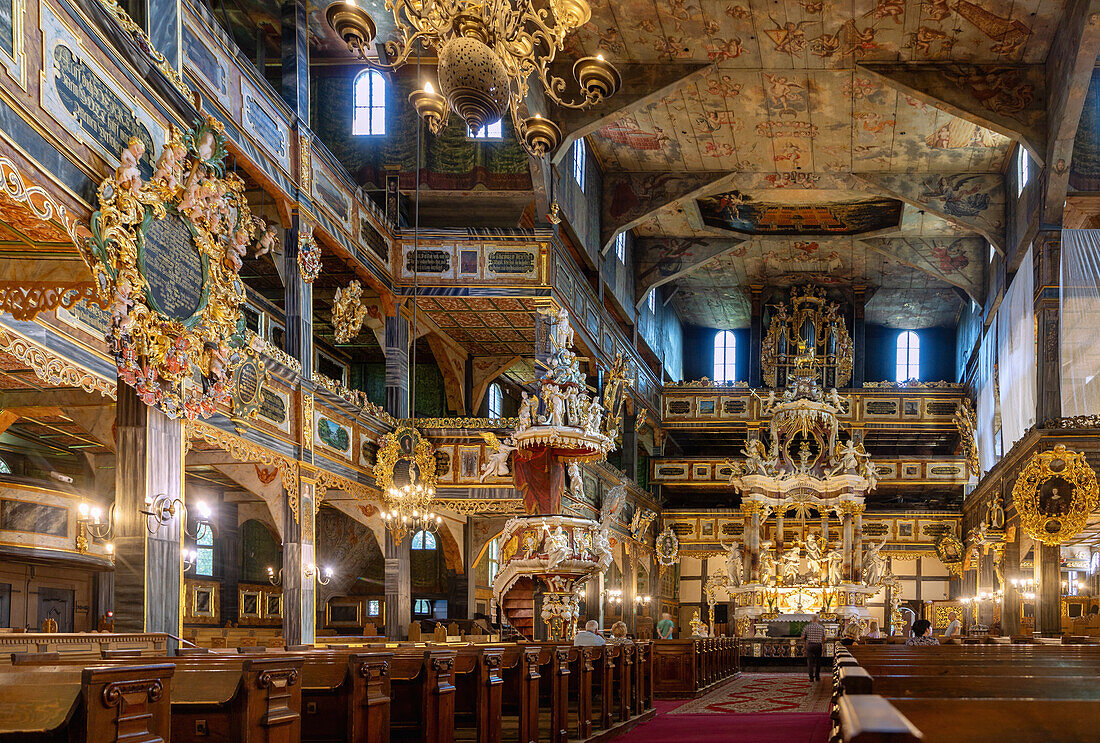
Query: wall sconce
[[642, 600], [163, 508], [312, 571], [190, 559], [614, 596], [90, 525], [275, 579]]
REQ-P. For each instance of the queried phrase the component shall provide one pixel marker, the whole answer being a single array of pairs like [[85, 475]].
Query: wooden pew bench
[[69, 704]]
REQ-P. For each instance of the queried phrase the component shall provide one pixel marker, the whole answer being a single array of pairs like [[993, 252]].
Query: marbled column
[[397, 366], [857, 546], [753, 542], [298, 300], [398, 588], [148, 572], [295, 67], [848, 537], [299, 552], [1048, 595]]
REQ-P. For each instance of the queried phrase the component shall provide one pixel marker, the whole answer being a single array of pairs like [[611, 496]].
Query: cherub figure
[[238, 248], [847, 459], [756, 457], [767, 564], [122, 304], [268, 241], [838, 401], [168, 165], [595, 417], [576, 481], [127, 174]]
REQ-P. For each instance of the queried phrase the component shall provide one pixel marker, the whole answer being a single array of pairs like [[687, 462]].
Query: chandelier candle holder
[[487, 53]]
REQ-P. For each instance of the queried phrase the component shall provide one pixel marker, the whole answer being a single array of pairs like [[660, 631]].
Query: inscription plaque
[[273, 407], [428, 261], [171, 265], [248, 383], [205, 62], [511, 262], [264, 127], [99, 111]]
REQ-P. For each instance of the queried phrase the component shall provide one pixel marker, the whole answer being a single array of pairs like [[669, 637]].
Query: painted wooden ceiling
[[790, 113]]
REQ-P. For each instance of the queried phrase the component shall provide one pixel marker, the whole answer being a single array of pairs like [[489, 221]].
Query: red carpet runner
[[755, 708]]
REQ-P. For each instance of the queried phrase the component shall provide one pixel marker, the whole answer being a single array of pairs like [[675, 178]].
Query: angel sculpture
[[497, 463], [612, 504], [767, 404], [815, 560], [555, 407], [562, 334], [834, 562], [557, 546], [847, 459], [601, 546], [874, 564], [789, 564], [767, 564], [168, 164], [268, 240], [756, 457], [838, 401], [127, 174]]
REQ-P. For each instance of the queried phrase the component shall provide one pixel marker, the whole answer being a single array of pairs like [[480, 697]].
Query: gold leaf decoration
[[1054, 495]]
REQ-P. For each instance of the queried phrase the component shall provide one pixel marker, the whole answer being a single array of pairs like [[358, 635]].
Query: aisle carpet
[[755, 708], [763, 692]]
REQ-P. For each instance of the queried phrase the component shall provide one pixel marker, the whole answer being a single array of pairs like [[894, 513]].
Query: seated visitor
[[873, 631], [618, 634], [590, 635], [954, 626], [851, 632], [665, 627], [922, 634], [814, 635]]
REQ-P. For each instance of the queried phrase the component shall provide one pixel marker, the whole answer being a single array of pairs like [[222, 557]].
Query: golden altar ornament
[[348, 311]]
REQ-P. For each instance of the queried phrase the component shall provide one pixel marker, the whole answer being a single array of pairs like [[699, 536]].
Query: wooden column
[[299, 552], [295, 62], [397, 366], [148, 572], [398, 587], [986, 581], [1048, 596], [298, 303], [1048, 384], [859, 336], [1010, 609]]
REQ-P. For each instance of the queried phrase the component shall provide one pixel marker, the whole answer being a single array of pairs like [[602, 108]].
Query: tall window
[[370, 104], [204, 547], [423, 540], [578, 163], [422, 606], [725, 356], [1023, 169], [651, 300], [494, 560], [496, 401], [908, 356], [489, 131], [620, 247]]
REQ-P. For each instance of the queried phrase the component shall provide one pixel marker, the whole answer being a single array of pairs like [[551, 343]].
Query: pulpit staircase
[[518, 607]]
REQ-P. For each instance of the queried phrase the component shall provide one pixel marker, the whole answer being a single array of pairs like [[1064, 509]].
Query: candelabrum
[[408, 510], [1026, 587], [190, 559], [614, 597], [160, 510], [91, 525]]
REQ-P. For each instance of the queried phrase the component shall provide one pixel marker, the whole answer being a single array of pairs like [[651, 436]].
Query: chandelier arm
[[399, 51], [555, 86]]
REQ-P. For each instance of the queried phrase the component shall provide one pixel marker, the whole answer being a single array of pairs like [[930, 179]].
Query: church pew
[[687, 668], [69, 704], [478, 691], [422, 696], [520, 672], [86, 645]]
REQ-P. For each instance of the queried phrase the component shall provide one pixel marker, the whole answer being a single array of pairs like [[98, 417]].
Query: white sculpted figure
[[767, 564], [576, 481], [835, 561], [528, 411], [756, 457], [128, 174], [789, 564], [874, 564], [595, 417], [555, 406], [815, 560], [838, 401], [848, 459], [557, 546], [602, 547], [497, 463], [562, 334], [733, 563]]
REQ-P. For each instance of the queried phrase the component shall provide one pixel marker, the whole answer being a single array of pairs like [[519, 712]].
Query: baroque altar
[[804, 467]]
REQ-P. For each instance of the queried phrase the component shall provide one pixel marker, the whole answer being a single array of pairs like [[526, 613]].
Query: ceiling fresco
[[902, 295], [749, 214], [821, 141]]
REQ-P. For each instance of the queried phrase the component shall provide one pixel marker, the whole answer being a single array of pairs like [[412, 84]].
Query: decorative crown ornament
[[348, 312], [487, 52], [166, 252]]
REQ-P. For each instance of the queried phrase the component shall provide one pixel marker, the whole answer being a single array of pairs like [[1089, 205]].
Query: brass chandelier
[[487, 52]]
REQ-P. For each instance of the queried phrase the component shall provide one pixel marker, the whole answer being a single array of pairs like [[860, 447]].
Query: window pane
[[204, 562]]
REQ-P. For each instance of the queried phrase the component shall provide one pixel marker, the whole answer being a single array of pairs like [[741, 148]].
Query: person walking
[[814, 636]]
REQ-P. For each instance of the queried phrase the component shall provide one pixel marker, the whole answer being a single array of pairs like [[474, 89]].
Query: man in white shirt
[[954, 626], [590, 635]]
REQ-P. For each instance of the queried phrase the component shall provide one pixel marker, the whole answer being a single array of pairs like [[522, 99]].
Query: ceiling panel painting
[[750, 214]]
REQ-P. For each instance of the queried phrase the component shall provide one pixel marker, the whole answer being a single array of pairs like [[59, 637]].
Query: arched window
[[725, 353], [5, 468], [422, 607], [204, 548], [489, 131], [496, 401], [908, 356], [494, 560], [423, 540], [370, 104]]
